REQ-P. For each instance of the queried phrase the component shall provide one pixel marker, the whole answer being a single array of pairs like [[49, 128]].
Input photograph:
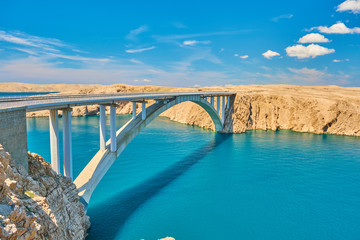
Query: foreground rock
[[38, 205]]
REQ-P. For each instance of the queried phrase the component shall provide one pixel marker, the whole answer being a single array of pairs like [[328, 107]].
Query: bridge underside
[[92, 174]]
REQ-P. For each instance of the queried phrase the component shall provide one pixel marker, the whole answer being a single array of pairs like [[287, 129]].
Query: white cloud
[[313, 38], [338, 28], [242, 56], [194, 42], [146, 80], [337, 60], [284, 16], [139, 50], [40, 46], [134, 33], [313, 50], [30, 52], [269, 54], [349, 5], [135, 61], [78, 58], [19, 38], [171, 38], [79, 51], [307, 72]]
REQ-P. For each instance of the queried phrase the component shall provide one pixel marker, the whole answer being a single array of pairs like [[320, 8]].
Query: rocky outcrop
[[39, 204], [274, 112]]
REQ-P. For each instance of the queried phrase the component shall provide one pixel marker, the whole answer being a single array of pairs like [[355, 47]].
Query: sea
[[193, 184], [20, 94]]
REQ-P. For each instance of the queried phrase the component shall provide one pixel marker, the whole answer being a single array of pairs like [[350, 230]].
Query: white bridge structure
[[110, 147]]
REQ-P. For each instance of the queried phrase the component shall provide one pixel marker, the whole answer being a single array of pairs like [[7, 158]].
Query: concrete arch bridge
[[13, 126]]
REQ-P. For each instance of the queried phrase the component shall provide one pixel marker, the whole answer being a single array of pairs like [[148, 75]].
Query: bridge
[[14, 137]]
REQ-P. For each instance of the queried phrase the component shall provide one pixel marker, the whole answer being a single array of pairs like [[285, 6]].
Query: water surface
[[188, 183], [20, 94]]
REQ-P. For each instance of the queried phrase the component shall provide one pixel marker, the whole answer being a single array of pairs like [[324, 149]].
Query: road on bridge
[[44, 102]]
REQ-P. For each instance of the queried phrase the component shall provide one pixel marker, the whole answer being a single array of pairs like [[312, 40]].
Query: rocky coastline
[[40, 204], [319, 110]]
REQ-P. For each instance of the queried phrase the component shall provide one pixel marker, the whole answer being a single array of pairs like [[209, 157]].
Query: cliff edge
[[40, 204]]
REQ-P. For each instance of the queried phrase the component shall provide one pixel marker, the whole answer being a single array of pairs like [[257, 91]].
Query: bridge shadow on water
[[120, 207]]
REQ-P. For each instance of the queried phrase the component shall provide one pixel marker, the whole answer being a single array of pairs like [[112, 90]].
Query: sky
[[181, 43]]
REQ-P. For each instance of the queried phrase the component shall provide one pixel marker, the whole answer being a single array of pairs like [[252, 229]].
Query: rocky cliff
[[39, 204], [321, 109], [269, 110]]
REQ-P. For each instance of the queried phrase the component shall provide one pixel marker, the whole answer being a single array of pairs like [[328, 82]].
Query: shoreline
[[311, 109]]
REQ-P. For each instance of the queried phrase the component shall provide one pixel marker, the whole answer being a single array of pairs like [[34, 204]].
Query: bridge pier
[[13, 135], [67, 142], [102, 127], [212, 101], [133, 110], [223, 110], [218, 104], [54, 140], [143, 110], [113, 127]]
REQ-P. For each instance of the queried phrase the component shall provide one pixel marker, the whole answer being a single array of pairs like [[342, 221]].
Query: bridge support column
[[212, 101], [113, 128], [102, 127], [223, 110], [54, 140], [133, 110], [218, 104], [143, 110], [67, 142]]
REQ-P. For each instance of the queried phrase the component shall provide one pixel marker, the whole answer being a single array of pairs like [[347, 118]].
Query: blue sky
[[181, 43]]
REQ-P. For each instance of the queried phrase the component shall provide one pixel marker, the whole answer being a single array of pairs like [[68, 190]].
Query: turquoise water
[[188, 183], [20, 94]]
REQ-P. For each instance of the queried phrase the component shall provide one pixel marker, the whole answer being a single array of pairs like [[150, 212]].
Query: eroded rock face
[[251, 111], [38, 205]]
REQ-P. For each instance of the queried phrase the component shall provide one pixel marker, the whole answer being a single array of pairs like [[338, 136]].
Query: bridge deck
[[44, 102]]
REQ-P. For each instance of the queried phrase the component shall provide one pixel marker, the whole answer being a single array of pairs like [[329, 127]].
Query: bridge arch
[[94, 171]]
